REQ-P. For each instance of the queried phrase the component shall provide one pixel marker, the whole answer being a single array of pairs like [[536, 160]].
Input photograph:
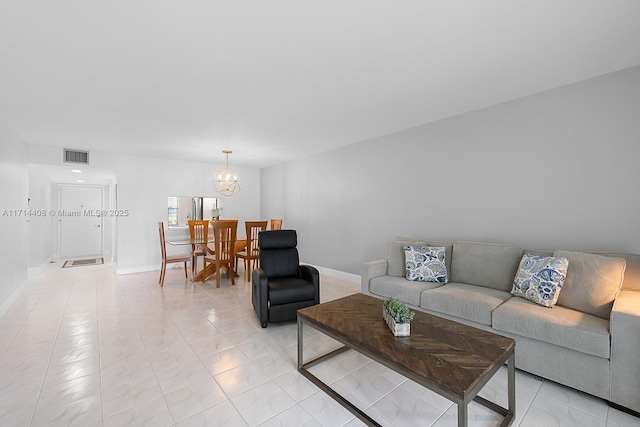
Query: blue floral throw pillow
[[425, 264], [540, 279]]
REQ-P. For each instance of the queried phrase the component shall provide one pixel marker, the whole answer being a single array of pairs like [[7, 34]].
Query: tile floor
[[86, 347]]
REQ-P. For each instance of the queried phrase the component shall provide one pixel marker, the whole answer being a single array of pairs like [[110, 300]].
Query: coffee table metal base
[[508, 414]]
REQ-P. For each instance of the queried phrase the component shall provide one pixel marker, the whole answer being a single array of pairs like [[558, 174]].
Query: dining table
[[210, 269]]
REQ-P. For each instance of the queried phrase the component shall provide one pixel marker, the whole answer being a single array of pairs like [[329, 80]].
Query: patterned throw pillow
[[540, 279], [425, 264]]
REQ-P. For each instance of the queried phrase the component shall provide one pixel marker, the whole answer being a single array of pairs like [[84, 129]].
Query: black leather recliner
[[281, 285]]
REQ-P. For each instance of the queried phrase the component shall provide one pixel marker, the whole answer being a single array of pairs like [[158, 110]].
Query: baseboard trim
[[323, 270], [34, 271], [137, 269], [349, 277], [8, 303], [624, 409]]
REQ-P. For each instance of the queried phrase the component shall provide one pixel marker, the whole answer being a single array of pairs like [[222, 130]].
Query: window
[[172, 214]]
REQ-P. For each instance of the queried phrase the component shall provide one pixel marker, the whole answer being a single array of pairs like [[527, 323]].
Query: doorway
[[80, 218]]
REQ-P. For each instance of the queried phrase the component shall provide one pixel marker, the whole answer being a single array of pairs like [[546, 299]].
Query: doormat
[[83, 262]]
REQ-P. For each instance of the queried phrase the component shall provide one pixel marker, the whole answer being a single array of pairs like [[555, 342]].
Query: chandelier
[[227, 181]]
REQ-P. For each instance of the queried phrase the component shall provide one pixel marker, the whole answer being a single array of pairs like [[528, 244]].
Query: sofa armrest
[[260, 295], [625, 342], [370, 270], [311, 274]]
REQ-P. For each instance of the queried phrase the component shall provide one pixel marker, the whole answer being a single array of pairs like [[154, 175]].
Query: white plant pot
[[398, 329]]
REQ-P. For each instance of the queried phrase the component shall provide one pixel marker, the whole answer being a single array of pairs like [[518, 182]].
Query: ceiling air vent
[[75, 156]]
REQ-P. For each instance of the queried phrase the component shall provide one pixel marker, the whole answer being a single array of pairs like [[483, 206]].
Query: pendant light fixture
[[227, 181]]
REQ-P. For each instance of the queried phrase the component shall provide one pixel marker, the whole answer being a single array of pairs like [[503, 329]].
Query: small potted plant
[[398, 317]]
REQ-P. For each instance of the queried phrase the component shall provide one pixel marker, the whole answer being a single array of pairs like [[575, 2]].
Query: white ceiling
[[278, 80]]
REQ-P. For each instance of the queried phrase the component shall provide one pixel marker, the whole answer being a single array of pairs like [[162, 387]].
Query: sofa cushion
[[395, 256], [426, 263], [560, 326], [284, 290], [539, 279], [592, 282], [400, 288], [485, 264], [474, 303]]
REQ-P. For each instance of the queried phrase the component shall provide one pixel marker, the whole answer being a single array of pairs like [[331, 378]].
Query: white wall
[[557, 169], [13, 228], [143, 185]]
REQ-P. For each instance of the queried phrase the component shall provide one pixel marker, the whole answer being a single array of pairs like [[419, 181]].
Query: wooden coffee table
[[452, 359]]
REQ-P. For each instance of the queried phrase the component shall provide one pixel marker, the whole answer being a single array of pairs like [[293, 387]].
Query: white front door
[[80, 221]]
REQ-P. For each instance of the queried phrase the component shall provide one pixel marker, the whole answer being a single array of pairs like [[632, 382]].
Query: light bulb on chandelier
[[227, 181]]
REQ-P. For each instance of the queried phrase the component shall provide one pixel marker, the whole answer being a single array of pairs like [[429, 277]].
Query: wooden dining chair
[[198, 229], [224, 233], [276, 223], [251, 251], [240, 244], [167, 259]]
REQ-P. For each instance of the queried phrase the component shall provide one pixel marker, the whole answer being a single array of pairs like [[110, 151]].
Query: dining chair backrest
[[253, 228], [224, 233], [182, 258], [163, 243], [199, 229], [276, 224]]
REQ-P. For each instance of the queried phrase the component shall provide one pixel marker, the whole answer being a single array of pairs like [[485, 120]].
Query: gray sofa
[[590, 340]]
